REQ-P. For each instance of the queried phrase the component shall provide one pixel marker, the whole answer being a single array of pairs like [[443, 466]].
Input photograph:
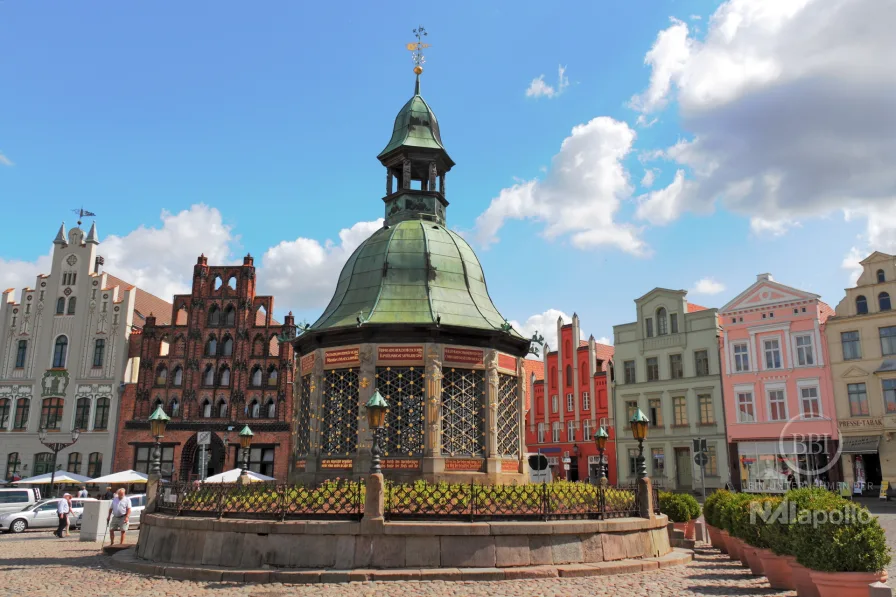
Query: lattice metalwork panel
[[303, 418], [339, 402], [404, 388], [508, 416], [463, 412]]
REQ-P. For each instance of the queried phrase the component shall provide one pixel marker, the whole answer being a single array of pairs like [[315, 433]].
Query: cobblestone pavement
[[36, 564]]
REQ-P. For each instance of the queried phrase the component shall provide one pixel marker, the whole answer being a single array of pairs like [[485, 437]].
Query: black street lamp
[[56, 447], [600, 438], [376, 416], [157, 422], [639, 423], [245, 441]]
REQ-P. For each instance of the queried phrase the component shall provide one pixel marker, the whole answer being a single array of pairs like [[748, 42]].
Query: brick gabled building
[[569, 404], [217, 367]]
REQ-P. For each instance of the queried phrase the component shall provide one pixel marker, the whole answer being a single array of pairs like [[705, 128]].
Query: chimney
[[764, 278]]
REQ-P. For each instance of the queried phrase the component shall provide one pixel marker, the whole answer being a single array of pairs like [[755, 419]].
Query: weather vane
[[417, 48], [83, 213]]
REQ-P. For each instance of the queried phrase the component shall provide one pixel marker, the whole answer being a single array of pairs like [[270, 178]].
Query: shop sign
[[464, 464], [307, 363], [400, 353], [401, 464], [509, 466], [468, 356], [341, 356], [340, 463], [848, 423]]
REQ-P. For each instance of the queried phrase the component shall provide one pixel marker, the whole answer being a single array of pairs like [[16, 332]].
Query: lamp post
[[376, 416], [600, 438], [56, 447], [639, 424], [245, 441], [157, 422]]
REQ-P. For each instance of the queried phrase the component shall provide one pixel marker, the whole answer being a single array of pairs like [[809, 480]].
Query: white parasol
[[122, 478], [232, 476], [61, 477]]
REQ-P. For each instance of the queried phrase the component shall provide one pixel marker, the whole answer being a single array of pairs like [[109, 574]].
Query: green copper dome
[[415, 126], [415, 272]]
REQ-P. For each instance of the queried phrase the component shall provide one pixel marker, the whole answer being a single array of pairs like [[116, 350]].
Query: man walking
[[120, 515], [62, 512]]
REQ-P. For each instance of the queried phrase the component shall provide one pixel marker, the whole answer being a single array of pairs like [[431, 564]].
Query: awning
[[862, 444]]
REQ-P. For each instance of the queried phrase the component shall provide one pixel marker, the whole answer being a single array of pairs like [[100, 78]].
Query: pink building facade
[[779, 401]]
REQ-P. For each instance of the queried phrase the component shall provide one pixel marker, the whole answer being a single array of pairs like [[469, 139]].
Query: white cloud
[[788, 104], [545, 324], [707, 286], [604, 340], [5, 161], [649, 177], [661, 206], [17, 274], [160, 260], [695, 17], [851, 264], [580, 194], [302, 273], [538, 88]]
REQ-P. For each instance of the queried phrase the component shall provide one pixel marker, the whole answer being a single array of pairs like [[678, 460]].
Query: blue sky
[[255, 128]]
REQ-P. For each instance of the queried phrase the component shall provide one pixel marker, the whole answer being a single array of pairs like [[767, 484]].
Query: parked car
[[41, 515], [13, 499], [138, 504]]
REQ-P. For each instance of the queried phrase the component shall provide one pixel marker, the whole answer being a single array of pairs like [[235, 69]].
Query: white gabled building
[[63, 358]]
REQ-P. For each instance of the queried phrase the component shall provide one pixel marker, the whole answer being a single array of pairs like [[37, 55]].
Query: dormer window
[[881, 277], [649, 327], [661, 323], [883, 301], [861, 305]]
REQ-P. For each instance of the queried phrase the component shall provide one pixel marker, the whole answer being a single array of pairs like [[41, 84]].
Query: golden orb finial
[[418, 70]]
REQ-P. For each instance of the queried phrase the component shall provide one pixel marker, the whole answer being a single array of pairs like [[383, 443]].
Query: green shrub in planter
[[712, 505], [731, 509], [692, 504], [761, 513], [778, 533], [840, 537], [675, 507]]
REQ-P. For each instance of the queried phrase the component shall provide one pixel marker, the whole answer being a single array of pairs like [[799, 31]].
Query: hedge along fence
[[679, 507], [344, 499]]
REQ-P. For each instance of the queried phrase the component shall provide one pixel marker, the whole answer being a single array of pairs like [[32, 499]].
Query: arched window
[[273, 346], [256, 376], [214, 315], [231, 282], [553, 377], [229, 315], [5, 409], [584, 375], [211, 347], [174, 407], [217, 282], [180, 345], [23, 409], [222, 408], [164, 346], [861, 305], [227, 346], [82, 414], [254, 409], [206, 409], [569, 375], [272, 376], [51, 413], [161, 375], [182, 316], [208, 377], [225, 376], [71, 306], [60, 305], [101, 416], [883, 301], [59, 352], [661, 323], [258, 346], [272, 409], [261, 316], [178, 377], [881, 277]]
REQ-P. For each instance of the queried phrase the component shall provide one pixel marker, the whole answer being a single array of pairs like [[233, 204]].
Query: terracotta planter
[[752, 559], [805, 586], [688, 528], [777, 569], [715, 537], [723, 547], [735, 548], [845, 584]]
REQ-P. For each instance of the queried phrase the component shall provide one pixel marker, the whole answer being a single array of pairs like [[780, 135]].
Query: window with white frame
[[889, 389], [631, 407], [555, 431], [777, 405], [633, 461], [570, 431], [805, 354], [772, 353], [555, 403], [570, 403], [858, 400], [746, 410], [810, 404], [586, 401], [742, 357], [541, 433], [586, 430], [673, 322]]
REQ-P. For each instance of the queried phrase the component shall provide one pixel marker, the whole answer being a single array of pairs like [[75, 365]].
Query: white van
[[13, 499]]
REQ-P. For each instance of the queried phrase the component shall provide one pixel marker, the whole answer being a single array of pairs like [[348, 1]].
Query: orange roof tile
[[824, 311], [532, 366], [603, 352], [145, 304], [693, 307]]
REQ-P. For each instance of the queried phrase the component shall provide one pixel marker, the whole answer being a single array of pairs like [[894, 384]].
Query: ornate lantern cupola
[[415, 160]]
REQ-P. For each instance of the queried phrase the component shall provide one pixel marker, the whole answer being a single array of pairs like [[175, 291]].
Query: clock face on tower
[[71, 260]]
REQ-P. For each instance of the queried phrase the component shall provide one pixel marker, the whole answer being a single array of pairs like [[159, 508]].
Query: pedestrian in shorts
[[119, 516]]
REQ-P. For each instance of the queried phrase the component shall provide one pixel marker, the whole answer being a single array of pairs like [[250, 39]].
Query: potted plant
[[845, 550], [801, 504], [727, 519], [774, 534], [711, 514], [743, 522]]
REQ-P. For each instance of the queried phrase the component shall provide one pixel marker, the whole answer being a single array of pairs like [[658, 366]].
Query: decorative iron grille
[[463, 412], [303, 418], [508, 416], [405, 390], [339, 436]]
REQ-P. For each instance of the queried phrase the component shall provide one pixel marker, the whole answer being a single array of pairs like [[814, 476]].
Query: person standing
[[62, 511], [83, 492], [120, 515], [108, 495]]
